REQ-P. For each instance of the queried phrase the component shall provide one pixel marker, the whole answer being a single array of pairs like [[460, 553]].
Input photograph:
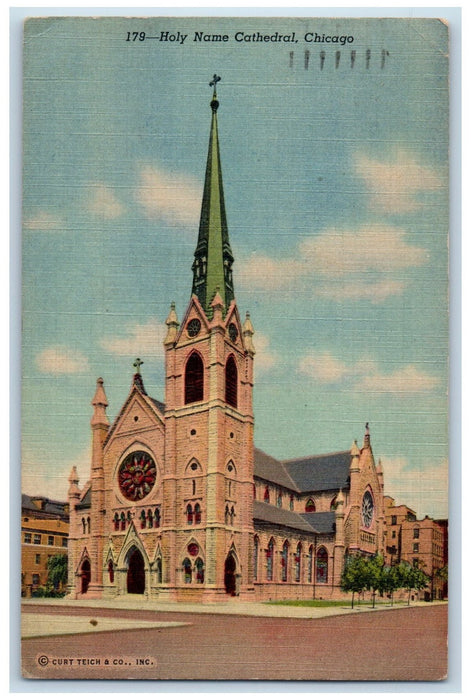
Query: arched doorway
[[136, 578], [229, 574], [85, 575]]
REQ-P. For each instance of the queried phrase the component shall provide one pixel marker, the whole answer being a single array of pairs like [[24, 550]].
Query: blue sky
[[336, 196]]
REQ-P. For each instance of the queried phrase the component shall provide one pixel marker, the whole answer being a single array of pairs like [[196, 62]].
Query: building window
[[64, 541], [159, 570], [37, 558], [189, 514], [321, 565], [266, 495], [194, 379], [333, 503], [256, 544], [111, 571], [416, 533], [309, 564], [27, 539], [415, 547], [284, 561], [226, 515], [36, 580], [193, 487], [187, 571], [88, 524], [393, 535], [142, 519], [150, 519], [50, 540], [393, 519], [197, 514], [297, 563], [231, 382], [291, 502], [199, 567], [116, 521], [270, 551], [232, 515], [157, 517], [279, 499], [310, 506], [37, 539]]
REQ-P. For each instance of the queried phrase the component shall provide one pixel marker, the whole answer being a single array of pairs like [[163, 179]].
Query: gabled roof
[[321, 472], [271, 469], [323, 523], [137, 387], [86, 501], [278, 516]]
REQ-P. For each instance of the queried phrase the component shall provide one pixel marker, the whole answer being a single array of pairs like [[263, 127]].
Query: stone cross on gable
[[137, 364], [214, 81]]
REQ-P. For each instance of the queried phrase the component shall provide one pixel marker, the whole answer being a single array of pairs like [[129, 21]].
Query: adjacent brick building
[[44, 533]]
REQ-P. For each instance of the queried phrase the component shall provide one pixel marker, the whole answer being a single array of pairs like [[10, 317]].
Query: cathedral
[[180, 504]]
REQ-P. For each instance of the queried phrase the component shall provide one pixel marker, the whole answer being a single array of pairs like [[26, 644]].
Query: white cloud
[[43, 473], [103, 202], [394, 184], [265, 358], [324, 368], [425, 490], [44, 221], [365, 375], [173, 197], [340, 264], [139, 340], [406, 380], [59, 359]]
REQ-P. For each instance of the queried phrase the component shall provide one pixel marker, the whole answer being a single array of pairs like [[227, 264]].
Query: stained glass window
[[137, 475], [194, 379]]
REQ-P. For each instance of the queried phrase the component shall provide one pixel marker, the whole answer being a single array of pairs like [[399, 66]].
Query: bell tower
[[208, 481]]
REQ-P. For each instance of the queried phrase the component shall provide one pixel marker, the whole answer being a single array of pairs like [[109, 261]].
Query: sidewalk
[[231, 607]]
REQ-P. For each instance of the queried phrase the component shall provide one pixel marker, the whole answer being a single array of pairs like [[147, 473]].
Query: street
[[398, 644]]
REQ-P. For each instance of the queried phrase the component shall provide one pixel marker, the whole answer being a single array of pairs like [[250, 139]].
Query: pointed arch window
[[197, 514], [310, 506], [284, 561], [291, 502], [116, 521], [231, 381], [187, 570], [232, 515], [157, 517], [226, 515], [111, 571], [123, 521], [189, 514], [297, 563], [194, 379], [150, 518], [266, 495], [270, 553], [143, 519], [199, 568], [256, 545], [279, 498], [309, 563], [158, 569], [321, 565]]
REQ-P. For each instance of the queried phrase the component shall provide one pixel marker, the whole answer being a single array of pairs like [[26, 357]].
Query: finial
[[213, 83], [137, 364], [367, 428]]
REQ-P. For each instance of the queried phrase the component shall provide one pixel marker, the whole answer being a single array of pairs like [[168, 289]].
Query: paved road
[[402, 644]]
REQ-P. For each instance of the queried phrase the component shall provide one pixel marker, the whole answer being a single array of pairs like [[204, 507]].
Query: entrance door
[[85, 575], [229, 575], [136, 578]]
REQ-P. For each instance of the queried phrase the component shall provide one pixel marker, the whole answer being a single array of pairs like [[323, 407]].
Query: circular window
[[367, 509], [193, 549], [193, 327], [233, 332], [137, 475]]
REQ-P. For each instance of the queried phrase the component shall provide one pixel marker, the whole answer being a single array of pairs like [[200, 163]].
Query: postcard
[[235, 348]]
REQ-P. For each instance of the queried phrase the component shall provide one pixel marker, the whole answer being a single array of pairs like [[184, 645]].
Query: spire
[[366, 439], [213, 255], [99, 403]]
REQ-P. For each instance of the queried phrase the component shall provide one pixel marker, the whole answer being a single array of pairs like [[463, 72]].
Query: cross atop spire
[[212, 267]]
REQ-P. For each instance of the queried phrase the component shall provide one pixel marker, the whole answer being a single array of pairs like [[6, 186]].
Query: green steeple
[[212, 267]]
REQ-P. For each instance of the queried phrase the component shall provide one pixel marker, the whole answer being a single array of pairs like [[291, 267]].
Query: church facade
[[179, 504]]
